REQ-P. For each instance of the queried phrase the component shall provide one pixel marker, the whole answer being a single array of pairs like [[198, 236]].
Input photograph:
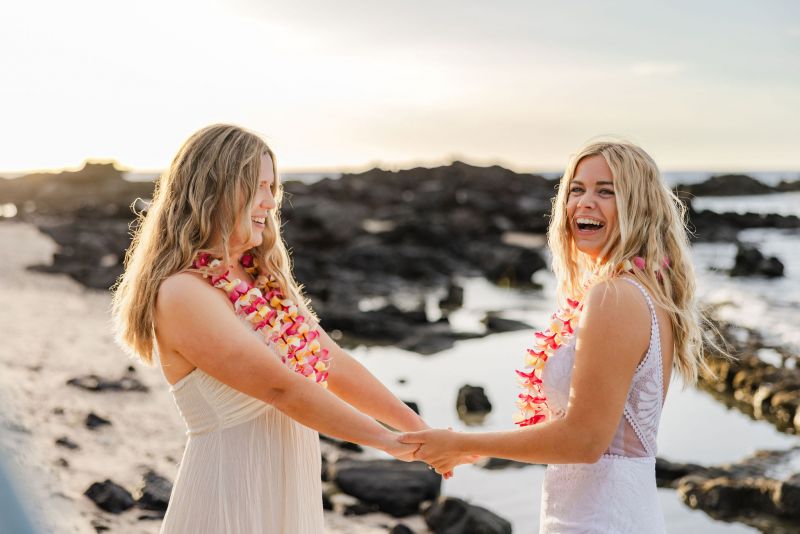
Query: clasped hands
[[439, 448]]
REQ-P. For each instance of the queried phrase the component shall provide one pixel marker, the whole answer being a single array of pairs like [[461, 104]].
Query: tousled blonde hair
[[197, 204], [651, 223]]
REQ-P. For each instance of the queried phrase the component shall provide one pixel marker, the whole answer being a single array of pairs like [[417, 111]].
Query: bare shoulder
[[617, 308], [183, 289]]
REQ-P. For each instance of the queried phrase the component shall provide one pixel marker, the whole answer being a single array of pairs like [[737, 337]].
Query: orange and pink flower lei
[[264, 306], [532, 402]]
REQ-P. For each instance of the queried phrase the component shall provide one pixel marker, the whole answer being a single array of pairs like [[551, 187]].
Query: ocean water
[[694, 427]]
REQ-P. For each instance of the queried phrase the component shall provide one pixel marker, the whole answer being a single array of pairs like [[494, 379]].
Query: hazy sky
[[712, 85]]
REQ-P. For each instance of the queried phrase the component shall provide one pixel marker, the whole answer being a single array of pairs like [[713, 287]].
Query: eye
[[606, 191], [575, 189]]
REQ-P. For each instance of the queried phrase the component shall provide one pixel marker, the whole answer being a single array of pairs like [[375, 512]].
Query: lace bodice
[[638, 427]]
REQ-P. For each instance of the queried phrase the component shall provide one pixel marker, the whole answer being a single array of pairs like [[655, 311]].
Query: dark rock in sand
[[397, 488], [67, 443], [93, 421], [110, 497], [91, 249], [400, 528], [472, 404], [99, 525], [97, 383], [750, 261], [727, 185], [449, 515], [154, 492], [754, 491]]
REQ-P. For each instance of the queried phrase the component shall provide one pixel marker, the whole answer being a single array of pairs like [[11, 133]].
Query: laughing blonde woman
[[595, 383], [207, 287]]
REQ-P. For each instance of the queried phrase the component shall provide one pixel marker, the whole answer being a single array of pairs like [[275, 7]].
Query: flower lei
[[265, 307], [532, 402]]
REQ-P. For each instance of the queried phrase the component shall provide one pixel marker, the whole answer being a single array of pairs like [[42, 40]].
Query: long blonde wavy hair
[[651, 224], [197, 204]]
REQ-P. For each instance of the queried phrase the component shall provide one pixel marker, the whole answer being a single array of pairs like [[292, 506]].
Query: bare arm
[[613, 336], [354, 384], [196, 320]]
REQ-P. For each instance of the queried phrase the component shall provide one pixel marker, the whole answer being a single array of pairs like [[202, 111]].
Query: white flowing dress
[[248, 468], [617, 494]]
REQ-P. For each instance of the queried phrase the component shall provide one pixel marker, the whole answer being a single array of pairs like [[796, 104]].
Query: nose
[[586, 200], [268, 202]]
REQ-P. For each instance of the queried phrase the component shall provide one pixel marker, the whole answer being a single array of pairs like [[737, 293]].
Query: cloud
[[657, 68]]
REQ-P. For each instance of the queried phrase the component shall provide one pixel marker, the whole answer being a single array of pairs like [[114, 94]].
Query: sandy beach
[[53, 329]]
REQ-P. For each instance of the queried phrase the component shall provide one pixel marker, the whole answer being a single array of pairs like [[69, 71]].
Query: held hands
[[439, 449]]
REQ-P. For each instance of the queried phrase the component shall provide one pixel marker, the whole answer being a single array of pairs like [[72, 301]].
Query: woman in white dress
[[208, 288], [596, 380]]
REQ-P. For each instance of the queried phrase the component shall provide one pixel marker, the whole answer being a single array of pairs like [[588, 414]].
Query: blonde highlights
[[651, 224], [199, 203]]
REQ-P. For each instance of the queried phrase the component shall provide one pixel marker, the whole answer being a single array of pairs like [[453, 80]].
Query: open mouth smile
[[588, 225]]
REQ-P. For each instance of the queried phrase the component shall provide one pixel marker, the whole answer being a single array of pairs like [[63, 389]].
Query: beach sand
[[52, 329]]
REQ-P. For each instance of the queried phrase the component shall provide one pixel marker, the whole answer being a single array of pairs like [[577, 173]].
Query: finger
[[410, 438]]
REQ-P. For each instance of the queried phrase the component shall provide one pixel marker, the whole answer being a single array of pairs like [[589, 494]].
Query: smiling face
[[257, 211], [591, 205]]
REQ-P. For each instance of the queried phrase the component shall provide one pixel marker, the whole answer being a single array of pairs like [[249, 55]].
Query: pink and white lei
[[266, 308], [532, 402]]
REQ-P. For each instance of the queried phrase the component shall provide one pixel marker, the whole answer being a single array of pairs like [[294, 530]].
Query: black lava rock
[[155, 492], [67, 443], [93, 421], [94, 382], [448, 515], [472, 404], [397, 488], [110, 497], [750, 261]]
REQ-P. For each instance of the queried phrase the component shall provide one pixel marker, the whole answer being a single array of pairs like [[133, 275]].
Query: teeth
[[259, 220], [584, 220]]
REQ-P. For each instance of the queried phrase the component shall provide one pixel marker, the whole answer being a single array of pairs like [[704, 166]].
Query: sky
[[352, 84]]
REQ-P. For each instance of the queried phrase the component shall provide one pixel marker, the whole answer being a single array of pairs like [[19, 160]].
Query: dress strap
[[655, 336]]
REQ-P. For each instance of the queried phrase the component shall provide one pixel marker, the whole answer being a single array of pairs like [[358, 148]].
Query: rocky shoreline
[[370, 248], [391, 240]]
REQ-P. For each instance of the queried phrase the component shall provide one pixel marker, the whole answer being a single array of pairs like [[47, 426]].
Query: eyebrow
[[601, 182]]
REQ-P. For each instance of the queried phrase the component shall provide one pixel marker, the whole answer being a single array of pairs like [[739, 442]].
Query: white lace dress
[[617, 494], [248, 468]]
